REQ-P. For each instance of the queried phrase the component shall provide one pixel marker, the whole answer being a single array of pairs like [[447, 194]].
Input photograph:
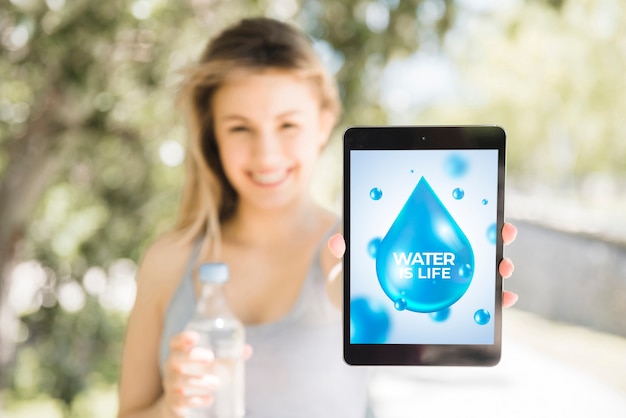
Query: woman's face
[[270, 130]]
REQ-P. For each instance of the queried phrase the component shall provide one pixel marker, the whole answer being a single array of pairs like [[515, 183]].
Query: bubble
[[492, 233], [456, 165], [465, 271], [440, 316], [482, 317], [423, 226], [369, 321], [484, 201], [376, 193], [372, 247], [458, 193], [400, 304]]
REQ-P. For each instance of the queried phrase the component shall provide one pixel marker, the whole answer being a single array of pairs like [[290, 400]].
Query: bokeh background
[[92, 147]]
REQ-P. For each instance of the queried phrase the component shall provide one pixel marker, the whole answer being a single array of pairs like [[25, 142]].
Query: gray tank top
[[297, 369]]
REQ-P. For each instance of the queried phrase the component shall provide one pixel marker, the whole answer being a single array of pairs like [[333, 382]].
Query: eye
[[238, 128], [288, 125]]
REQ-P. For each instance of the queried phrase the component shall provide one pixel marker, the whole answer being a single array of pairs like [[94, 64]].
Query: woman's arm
[[506, 267], [140, 380], [188, 380]]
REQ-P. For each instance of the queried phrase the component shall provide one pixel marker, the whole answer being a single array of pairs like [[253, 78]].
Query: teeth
[[269, 178]]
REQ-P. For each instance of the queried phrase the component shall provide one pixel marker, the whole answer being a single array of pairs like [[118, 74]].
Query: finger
[[184, 341], [180, 392], [180, 404], [197, 361], [506, 268], [509, 299], [183, 387], [197, 386], [187, 369], [337, 245], [247, 351], [509, 232], [201, 354], [195, 368], [188, 379], [198, 401]]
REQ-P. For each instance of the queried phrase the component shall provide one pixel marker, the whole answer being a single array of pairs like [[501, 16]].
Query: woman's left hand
[[337, 247], [506, 267]]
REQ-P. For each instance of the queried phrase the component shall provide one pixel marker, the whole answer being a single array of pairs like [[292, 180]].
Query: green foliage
[[552, 79], [63, 367]]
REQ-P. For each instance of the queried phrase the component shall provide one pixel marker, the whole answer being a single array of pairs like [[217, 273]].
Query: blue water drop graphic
[[412, 171], [372, 247], [458, 193], [400, 304], [419, 258], [485, 201], [440, 316], [369, 322], [482, 317], [456, 165], [376, 193], [492, 233]]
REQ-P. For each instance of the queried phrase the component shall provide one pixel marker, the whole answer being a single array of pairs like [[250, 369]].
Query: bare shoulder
[[165, 254], [162, 266]]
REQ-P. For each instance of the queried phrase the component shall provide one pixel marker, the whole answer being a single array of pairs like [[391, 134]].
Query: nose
[[267, 147]]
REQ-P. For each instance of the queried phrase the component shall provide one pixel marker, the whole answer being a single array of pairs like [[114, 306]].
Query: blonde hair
[[258, 44]]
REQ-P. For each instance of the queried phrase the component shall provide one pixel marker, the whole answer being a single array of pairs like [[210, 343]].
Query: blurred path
[[570, 276], [548, 369]]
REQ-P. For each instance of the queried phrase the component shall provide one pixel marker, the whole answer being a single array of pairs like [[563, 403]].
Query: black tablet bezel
[[423, 138]]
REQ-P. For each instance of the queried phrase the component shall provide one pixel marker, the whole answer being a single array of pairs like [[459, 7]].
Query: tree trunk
[[34, 158]]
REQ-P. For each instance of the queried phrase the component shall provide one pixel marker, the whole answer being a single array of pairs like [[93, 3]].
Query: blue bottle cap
[[213, 273]]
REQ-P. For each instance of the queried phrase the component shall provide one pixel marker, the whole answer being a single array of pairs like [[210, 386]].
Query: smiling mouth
[[271, 178]]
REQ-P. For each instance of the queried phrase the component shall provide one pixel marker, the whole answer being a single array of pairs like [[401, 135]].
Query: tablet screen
[[423, 211]]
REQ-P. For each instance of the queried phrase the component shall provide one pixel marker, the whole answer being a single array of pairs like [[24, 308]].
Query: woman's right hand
[[188, 379]]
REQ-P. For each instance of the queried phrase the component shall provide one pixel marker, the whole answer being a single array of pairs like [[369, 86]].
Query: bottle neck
[[212, 301]]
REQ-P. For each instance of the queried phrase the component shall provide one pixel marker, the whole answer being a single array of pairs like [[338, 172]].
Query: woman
[[261, 108]]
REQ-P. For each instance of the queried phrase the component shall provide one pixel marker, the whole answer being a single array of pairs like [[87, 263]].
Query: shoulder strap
[[193, 257]]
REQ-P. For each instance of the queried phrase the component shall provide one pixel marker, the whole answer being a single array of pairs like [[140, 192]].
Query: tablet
[[423, 210]]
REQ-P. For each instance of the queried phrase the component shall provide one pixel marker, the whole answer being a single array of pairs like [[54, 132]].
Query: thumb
[[337, 245]]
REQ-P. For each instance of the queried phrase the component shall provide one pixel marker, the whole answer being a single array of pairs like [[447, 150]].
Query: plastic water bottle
[[221, 332]]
